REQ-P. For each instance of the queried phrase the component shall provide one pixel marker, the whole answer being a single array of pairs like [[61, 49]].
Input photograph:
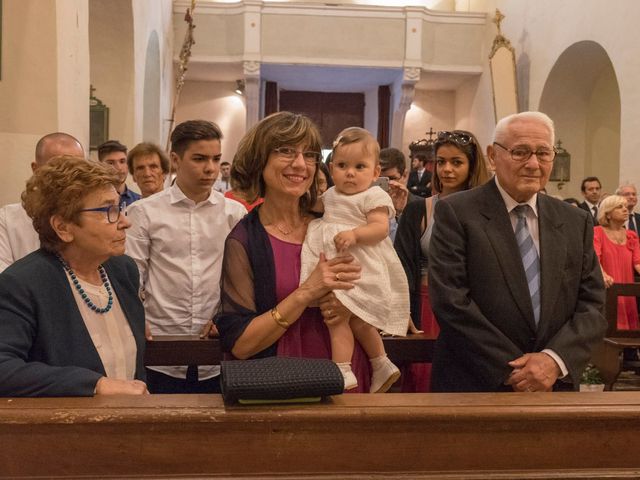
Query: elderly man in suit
[[628, 191], [515, 283]]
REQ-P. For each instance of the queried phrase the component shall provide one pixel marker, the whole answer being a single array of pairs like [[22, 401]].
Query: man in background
[[422, 163], [149, 166], [17, 236], [628, 191], [223, 183], [591, 189], [393, 166], [113, 153]]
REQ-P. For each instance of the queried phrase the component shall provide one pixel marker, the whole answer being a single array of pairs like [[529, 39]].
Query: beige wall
[[46, 74], [374, 39], [430, 109], [216, 102], [112, 66], [44, 86]]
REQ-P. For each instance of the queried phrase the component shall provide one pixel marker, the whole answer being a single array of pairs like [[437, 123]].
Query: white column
[[406, 93], [72, 24], [252, 57], [252, 92]]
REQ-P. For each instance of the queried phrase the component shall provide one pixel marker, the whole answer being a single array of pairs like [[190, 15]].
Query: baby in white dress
[[356, 220]]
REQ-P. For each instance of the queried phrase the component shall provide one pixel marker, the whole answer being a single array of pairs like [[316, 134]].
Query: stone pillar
[[252, 92], [406, 93]]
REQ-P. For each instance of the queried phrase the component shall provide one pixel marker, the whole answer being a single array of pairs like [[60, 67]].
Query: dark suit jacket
[[45, 347], [419, 186], [636, 217], [586, 208], [480, 297]]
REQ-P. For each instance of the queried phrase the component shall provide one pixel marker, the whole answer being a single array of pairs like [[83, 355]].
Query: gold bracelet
[[275, 314]]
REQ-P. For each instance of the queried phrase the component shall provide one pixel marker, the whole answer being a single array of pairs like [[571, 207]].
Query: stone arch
[[582, 96], [151, 100]]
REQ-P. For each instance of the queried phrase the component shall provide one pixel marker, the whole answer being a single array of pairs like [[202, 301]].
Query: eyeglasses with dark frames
[[459, 137], [289, 153], [523, 153], [113, 211]]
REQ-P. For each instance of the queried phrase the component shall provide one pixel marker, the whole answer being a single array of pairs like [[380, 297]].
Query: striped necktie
[[530, 259]]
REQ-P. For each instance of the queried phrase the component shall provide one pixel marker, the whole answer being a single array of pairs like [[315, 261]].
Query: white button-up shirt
[[17, 236], [178, 247]]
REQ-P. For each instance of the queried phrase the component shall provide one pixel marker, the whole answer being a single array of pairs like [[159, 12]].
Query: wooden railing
[[192, 350], [608, 356], [356, 436]]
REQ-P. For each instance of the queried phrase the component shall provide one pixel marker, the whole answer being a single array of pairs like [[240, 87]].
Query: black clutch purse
[[279, 379]]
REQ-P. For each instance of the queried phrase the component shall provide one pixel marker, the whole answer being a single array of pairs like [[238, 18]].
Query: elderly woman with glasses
[[264, 309], [460, 165], [71, 322]]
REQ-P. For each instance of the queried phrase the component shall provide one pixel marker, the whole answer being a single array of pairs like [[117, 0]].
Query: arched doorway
[[582, 96]]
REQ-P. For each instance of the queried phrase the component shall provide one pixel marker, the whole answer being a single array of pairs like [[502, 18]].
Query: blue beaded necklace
[[83, 294]]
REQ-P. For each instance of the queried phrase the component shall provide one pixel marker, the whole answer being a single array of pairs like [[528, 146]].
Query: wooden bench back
[[611, 308], [192, 350]]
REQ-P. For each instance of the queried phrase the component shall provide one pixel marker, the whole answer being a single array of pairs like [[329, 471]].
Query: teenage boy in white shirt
[[177, 239]]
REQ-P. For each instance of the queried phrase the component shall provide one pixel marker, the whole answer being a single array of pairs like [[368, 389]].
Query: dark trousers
[[160, 383]]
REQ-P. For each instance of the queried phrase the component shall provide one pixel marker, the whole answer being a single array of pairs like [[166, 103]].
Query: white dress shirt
[[178, 247], [534, 231], [221, 185], [17, 236]]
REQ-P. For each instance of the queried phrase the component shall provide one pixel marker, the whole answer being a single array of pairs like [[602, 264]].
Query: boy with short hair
[[177, 239]]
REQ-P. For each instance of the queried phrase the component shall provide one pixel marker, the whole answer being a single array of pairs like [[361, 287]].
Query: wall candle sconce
[[561, 171], [239, 87]]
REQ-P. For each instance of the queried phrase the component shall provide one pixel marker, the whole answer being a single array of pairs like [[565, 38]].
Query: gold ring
[[338, 277]]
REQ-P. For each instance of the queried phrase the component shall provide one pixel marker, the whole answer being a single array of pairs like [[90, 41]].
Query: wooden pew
[[401, 436], [608, 356], [192, 350]]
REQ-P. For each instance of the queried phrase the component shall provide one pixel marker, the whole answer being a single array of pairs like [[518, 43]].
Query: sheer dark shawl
[[247, 283]]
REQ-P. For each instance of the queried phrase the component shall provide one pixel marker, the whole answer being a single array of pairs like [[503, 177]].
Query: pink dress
[[309, 336], [618, 261]]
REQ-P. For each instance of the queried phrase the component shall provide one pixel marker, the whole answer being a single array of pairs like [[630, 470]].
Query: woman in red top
[[618, 251]]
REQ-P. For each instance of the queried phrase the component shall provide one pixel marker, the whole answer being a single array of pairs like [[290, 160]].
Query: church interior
[[133, 69], [433, 55]]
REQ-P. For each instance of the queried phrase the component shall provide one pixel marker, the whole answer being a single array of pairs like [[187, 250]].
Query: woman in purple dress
[[264, 311]]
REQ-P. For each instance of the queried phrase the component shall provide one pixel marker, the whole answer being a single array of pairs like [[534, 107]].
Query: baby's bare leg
[[368, 337], [341, 342]]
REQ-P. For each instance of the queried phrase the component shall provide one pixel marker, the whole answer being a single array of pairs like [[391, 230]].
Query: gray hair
[[625, 185], [502, 127]]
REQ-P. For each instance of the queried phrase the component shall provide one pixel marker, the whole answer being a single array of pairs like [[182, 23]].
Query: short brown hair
[[144, 149], [274, 131], [192, 131], [393, 158], [110, 146], [58, 188], [356, 135]]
